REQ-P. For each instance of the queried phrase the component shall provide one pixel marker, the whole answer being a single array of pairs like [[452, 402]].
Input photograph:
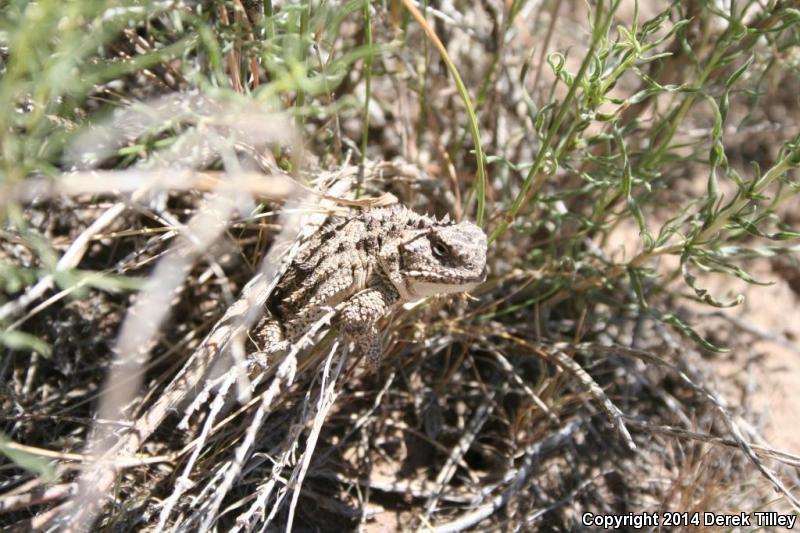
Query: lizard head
[[443, 258]]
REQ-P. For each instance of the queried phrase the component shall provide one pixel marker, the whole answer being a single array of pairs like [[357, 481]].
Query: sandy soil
[[775, 312], [763, 373]]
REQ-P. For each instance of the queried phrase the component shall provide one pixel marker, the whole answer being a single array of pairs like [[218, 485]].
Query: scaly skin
[[369, 263]]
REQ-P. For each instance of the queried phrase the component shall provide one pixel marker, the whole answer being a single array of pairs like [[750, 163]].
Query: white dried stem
[[183, 483], [615, 416], [69, 260], [284, 377], [137, 335], [328, 395], [481, 415], [532, 454]]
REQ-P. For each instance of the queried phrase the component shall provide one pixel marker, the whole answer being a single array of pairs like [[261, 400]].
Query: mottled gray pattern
[[369, 263]]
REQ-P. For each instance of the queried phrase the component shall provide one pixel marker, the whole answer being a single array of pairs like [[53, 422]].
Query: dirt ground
[[774, 312], [762, 371]]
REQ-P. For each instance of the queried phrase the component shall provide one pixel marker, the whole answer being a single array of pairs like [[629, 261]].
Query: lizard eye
[[439, 250]]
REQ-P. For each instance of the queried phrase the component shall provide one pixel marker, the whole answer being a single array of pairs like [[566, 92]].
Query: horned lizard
[[366, 264]]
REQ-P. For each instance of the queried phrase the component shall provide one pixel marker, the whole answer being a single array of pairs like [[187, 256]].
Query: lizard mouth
[[434, 277]]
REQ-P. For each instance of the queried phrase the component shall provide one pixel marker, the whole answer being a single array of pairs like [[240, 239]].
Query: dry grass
[[151, 203]]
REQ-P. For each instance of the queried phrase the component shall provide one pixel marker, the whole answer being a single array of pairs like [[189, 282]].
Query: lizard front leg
[[359, 317], [269, 334]]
